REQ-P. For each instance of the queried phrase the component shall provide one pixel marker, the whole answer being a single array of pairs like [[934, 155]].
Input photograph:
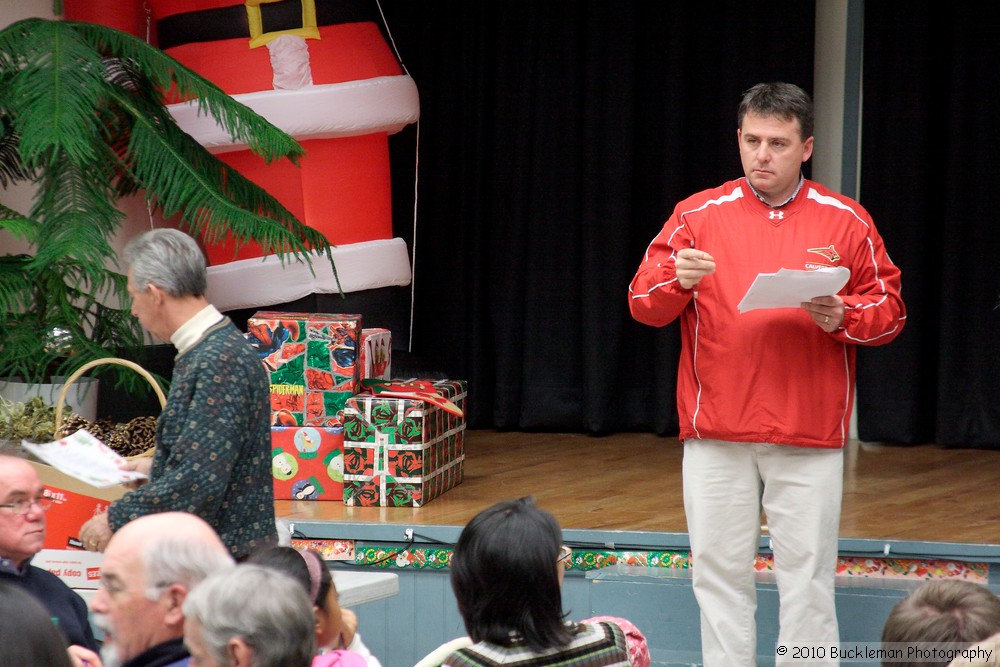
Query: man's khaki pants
[[800, 489]]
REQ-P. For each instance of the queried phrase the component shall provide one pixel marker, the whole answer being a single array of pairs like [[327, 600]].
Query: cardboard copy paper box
[[74, 502], [312, 363], [376, 354], [307, 462], [402, 452], [77, 569]]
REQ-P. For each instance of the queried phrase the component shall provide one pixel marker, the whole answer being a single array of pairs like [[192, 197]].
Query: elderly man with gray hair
[[250, 616], [23, 507], [150, 568], [213, 438]]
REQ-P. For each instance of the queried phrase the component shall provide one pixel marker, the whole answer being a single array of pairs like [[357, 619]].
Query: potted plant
[[83, 117]]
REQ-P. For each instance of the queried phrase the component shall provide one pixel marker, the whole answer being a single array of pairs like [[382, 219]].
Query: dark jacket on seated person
[[67, 608], [170, 653]]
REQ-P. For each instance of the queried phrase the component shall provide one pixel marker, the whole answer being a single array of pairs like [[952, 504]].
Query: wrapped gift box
[[403, 452], [312, 362], [376, 354], [307, 462]]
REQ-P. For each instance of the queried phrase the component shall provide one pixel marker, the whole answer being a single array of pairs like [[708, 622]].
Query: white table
[[357, 588]]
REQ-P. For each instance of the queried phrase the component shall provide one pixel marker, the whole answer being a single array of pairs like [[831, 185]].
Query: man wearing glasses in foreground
[[22, 532]]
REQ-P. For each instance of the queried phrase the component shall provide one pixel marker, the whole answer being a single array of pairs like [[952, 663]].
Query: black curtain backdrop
[[929, 178], [555, 138]]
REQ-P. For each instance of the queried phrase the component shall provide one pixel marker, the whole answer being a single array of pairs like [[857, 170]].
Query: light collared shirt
[[802, 179], [191, 331]]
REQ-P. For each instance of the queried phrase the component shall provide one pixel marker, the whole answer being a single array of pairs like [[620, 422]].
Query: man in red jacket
[[765, 396]]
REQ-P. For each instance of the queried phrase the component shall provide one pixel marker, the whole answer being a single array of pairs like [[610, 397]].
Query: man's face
[[145, 308], [772, 152], [131, 622], [21, 535]]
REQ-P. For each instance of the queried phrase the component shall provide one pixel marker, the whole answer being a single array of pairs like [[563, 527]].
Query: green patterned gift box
[[311, 359], [402, 452]]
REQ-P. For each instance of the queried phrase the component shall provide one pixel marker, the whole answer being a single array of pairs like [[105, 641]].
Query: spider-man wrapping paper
[[307, 463], [312, 362], [403, 452]]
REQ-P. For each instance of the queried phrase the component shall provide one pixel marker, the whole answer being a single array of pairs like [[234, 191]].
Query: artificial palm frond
[[15, 283], [83, 116], [166, 74], [169, 160], [17, 224], [12, 170]]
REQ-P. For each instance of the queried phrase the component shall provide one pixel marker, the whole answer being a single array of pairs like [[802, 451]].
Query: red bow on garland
[[419, 390]]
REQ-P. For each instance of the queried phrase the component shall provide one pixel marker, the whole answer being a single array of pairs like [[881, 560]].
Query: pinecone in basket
[[73, 423], [139, 434], [130, 439], [102, 429], [116, 441]]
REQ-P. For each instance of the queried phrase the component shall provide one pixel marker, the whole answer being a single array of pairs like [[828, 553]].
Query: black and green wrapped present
[[404, 442]]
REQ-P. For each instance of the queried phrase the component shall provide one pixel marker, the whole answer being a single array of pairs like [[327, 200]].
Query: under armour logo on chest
[[776, 215]]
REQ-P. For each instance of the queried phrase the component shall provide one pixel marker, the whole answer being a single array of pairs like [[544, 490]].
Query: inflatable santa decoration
[[321, 71]]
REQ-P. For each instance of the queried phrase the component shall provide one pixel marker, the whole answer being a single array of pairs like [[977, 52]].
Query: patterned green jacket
[[213, 445]]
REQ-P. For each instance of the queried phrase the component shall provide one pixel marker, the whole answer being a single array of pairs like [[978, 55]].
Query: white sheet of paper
[[83, 456], [788, 288]]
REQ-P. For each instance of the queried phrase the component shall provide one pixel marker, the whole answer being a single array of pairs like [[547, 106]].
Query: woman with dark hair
[[28, 635], [336, 629], [506, 572]]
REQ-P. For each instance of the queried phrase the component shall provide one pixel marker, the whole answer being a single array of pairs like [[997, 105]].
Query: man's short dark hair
[[782, 100]]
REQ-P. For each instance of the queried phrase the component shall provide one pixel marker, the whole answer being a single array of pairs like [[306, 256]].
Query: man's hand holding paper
[[826, 311], [790, 289], [814, 291]]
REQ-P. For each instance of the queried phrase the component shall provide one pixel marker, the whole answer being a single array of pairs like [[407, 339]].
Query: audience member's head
[[947, 612], [981, 654], [308, 568], [27, 634], [250, 616], [22, 510], [150, 566], [506, 572]]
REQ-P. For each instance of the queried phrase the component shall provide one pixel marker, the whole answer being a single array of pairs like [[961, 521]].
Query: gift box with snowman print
[[307, 462]]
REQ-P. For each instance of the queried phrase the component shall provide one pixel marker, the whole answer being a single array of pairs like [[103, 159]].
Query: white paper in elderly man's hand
[[788, 288], [83, 456]]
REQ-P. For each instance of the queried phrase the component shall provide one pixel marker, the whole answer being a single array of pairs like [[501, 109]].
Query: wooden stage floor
[[632, 481]]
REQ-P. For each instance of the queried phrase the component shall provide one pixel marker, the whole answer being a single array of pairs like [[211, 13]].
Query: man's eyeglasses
[[23, 505], [564, 553]]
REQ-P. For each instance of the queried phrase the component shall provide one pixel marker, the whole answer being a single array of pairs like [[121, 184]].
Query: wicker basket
[[61, 400]]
